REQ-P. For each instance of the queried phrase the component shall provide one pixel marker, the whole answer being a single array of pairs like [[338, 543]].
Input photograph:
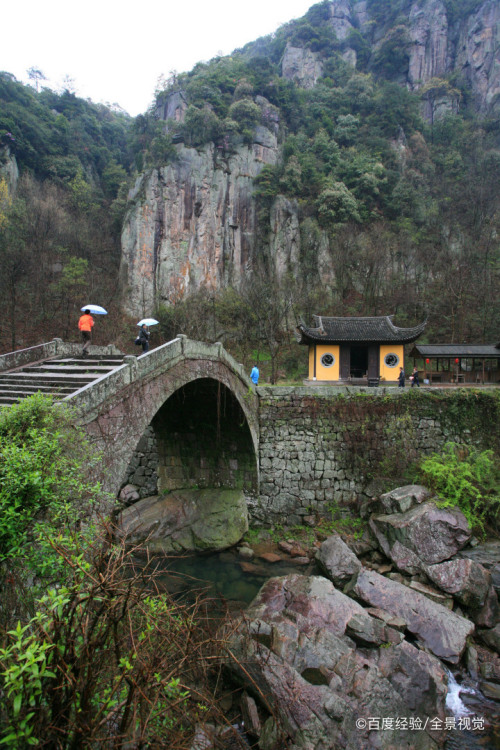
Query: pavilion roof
[[361, 330], [434, 351]]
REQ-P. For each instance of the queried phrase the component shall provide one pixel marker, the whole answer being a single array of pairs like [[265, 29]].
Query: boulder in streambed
[[321, 665], [423, 535], [403, 498], [187, 520], [468, 581], [337, 561], [443, 632]]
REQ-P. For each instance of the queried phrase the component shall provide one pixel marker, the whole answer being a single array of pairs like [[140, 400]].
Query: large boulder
[[309, 601], [403, 498], [443, 632], [294, 654], [187, 520], [466, 580], [424, 535], [337, 561]]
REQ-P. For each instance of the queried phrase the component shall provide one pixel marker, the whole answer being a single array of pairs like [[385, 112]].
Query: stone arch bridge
[[192, 400], [186, 415], [191, 403]]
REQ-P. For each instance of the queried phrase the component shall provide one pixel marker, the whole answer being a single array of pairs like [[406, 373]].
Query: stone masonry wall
[[321, 446], [142, 471]]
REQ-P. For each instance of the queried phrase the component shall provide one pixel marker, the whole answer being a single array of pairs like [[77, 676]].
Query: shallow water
[[470, 708], [223, 575]]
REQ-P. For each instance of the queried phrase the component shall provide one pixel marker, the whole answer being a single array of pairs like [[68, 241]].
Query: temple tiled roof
[[485, 351], [362, 330]]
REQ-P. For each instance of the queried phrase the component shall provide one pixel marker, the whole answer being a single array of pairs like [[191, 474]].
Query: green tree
[[336, 205]]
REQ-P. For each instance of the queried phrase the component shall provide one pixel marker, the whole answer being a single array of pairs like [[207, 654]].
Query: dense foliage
[[467, 478], [91, 653], [397, 213], [60, 225], [43, 485]]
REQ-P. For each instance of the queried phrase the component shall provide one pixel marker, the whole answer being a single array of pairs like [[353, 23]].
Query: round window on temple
[[327, 360], [391, 360]]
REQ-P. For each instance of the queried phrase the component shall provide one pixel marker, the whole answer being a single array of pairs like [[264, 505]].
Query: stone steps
[[56, 377]]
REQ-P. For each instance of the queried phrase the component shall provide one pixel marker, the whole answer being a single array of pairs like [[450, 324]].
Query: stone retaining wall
[[322, 446]]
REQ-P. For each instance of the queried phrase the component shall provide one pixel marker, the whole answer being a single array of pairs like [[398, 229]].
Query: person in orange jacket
[[85, 325]]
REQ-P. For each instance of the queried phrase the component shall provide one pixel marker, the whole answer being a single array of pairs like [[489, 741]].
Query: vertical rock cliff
[[192, 223]]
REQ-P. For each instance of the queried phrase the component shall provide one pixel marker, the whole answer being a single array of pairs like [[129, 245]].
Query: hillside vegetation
[[60, 225], [397, 213]]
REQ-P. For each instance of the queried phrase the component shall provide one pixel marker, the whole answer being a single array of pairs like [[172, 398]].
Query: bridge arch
[[164, 394]]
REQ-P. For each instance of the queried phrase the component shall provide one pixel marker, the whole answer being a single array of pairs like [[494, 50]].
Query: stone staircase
[[58, 377]]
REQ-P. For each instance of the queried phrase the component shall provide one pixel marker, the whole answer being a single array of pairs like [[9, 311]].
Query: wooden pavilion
[[459, 363], [362, 351]]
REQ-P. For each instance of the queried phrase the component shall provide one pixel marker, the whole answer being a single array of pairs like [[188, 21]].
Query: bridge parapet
[[23, 357], [90, 398]]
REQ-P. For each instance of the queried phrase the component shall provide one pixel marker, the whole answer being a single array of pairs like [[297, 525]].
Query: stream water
[[469, 709], [234, 582], [224, 575]]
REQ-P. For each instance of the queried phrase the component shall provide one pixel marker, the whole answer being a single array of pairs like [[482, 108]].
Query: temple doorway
[[359, 361]]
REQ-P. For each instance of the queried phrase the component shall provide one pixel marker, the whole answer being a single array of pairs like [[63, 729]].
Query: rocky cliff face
[[192, 223], [437, 46], [8, 169]]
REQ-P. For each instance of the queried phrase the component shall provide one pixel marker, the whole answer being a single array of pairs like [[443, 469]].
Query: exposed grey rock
[[489, 615], [301, 65], [306, 598], [369, 631], [391, 620], [491, 637], [418, 677], [308, 618], [466, 580], [488, 555], [441, 630], [246, 553], [337, 561], [432, 593], [210, 519], [424, 535], [129, 494], [429, 35], [192, 223], [403, 498], [250, 715]]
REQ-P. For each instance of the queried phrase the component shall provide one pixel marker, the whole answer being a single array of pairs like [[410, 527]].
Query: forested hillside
[[312, 171], [63, 161]]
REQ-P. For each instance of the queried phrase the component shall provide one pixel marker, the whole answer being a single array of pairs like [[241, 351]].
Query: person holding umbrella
[[144, 334], [85, 325], [144, 338]]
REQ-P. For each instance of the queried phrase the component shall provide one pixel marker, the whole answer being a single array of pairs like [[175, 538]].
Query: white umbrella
[[148, 322], [96, 309]]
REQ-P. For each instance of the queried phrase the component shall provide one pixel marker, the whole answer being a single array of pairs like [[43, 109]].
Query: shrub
[[466, 478], [43, 484], [108, 662]]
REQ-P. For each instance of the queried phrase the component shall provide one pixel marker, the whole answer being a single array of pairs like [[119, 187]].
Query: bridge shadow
[[198, 438]]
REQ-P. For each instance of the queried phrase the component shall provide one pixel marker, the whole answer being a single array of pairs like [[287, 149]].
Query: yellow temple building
[[362, 351]]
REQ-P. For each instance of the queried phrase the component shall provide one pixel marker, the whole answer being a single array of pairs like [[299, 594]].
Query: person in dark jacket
[[144, 338], [401, 378], [414, 378]]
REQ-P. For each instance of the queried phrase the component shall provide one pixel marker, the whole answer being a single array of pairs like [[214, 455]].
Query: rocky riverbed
[[352, 641], [362, 653]]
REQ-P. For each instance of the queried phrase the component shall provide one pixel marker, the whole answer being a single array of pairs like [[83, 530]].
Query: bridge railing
[[23, 357], [92, 395]]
